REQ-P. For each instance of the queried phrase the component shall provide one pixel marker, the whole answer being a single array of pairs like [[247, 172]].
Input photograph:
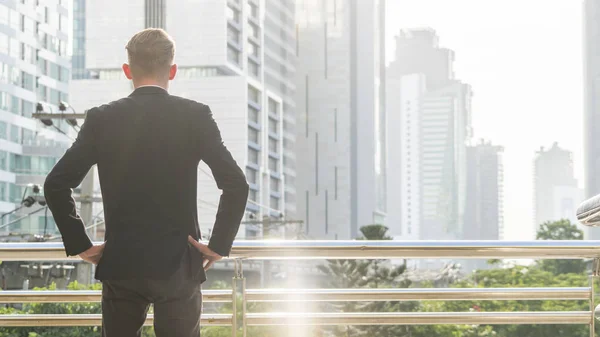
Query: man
[[147, 147]]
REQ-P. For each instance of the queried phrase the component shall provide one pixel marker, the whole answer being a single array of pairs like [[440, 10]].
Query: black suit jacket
[[147, 147]]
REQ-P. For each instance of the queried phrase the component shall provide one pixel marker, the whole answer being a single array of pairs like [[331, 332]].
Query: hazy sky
[[523, 59]]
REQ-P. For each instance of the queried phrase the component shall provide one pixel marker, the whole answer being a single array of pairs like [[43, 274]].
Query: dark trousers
[[177, 304]]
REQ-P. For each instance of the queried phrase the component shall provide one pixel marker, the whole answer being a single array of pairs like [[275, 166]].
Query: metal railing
[[256, 250]]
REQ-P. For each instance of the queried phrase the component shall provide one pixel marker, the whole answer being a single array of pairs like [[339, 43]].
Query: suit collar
[[149, 90]]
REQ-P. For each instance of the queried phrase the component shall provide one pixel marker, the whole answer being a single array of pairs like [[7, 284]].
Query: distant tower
[[556, 192]]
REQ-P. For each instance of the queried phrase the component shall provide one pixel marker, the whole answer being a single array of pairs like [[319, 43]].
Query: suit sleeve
[[67, 174], [230, 179]]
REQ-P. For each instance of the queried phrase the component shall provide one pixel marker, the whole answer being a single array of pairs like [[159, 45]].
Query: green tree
[[366, 273], [561, 230], [524, 276]]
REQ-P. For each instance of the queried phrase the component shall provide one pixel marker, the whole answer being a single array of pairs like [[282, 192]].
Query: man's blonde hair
[[150, 53]]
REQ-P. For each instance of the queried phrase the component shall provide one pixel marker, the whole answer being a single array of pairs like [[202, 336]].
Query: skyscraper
[[222, 64], [78, 59], [556, 192], [430, 115], [591, 74], [34, 68], [340, 97], [280, 61], [484, 219]]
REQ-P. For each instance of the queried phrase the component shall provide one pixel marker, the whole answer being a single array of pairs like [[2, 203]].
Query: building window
[[254, 95], [54, 96], [42, 93], [233, 34], [27, 81], [273, 107], [43, 66], [233, 55], [233, 14], [54, 70], [3, 190], [253, 30], [253, 135], [253, 68], [4, 43], [64, 75], [274, 184], [253, 114], [27, 109], [273, 165], [274, 203], [253, 156], [273, 126], [15, 48], [251, 175], [15, 135], [252, 10], [252, 195], [15, 105], [253, 49], [273, 146], [4, 101], [27, 53], [28, 137]]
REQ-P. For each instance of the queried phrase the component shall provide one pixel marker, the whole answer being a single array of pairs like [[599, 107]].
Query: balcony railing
[[244, 250]]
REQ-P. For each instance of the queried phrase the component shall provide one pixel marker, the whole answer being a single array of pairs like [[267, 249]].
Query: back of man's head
[[150, 54]]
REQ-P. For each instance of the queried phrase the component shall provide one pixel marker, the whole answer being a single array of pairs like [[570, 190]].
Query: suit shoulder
[[192, 105], [107, 108]]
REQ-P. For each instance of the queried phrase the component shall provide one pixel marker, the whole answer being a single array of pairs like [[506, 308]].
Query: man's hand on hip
[[94, 254], [208, 255]]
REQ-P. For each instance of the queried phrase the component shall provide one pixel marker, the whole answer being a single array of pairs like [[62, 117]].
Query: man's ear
[[172, 72], [127, 71]]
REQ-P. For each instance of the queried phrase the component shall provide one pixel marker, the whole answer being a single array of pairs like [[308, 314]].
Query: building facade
[[556, 191], [591, 75], [279, 73], [78, 57], [430, 127], [484, 218], [226, 71], [340, 104], [404, 98], [34, 68]]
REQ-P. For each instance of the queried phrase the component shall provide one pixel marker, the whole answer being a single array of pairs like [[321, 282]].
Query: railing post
[[234, 299], [238, 289], [593, 278]]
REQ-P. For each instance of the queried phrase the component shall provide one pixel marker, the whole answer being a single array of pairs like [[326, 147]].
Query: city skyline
[[515, 180], [513, 78]]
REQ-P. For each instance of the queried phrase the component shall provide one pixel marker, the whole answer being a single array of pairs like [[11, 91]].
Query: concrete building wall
[[591, 75], [201, 41], [340, 109], [34, 68], [403, 99], [109, 26]]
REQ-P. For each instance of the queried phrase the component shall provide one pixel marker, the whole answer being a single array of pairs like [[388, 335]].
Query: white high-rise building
[[404, 188], [222, 62], [340, 97], [34, 68], [556, 191], [429, 129]]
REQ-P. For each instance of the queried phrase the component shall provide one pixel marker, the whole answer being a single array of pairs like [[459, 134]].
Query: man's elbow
[[50, 185], [242, 187]]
